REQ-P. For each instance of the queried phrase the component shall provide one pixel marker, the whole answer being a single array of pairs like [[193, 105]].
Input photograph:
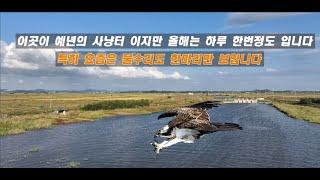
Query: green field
[[290, 103], [23, 112], [308, 113]]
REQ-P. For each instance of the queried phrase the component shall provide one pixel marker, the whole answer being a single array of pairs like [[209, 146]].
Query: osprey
[[189, 124]]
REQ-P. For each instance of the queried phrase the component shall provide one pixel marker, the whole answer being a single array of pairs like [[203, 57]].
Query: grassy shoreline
[[307, 113], [22, 113], [25, 112], [290, 104], [12, 127]]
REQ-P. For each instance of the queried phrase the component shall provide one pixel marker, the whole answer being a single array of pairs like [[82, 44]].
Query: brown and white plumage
[[190, 123], [191, 118]]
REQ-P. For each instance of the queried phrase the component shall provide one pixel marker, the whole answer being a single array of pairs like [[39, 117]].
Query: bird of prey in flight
[[189, 124]]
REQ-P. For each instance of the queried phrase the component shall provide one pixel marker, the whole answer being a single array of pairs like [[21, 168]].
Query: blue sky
[[284, 69]]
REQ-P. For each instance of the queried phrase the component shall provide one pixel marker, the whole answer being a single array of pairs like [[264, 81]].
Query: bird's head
[[158, 133]]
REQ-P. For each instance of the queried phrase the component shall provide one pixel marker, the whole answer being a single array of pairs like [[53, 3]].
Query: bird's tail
[[227, 126]]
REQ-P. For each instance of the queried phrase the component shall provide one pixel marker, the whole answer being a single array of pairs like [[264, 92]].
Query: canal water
[[268, 139]]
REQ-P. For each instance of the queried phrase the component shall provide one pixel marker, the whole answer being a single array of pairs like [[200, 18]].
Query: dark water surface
[[268, 139]]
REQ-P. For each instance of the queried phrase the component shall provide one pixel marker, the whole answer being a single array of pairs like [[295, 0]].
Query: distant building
[[190, 93], [240, 100]]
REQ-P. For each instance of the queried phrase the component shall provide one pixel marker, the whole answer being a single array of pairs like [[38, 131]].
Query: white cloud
[[223, 73], [310, 51], [14, 63], [275, 50], [4, 80], [24, 59], [245, 19], [177, 75], [20, 81], [133, 72], [271, 70], [41, 62]]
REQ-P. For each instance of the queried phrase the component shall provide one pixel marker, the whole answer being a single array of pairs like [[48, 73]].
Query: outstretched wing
[[203, 105], [206, 104], [193, 117]]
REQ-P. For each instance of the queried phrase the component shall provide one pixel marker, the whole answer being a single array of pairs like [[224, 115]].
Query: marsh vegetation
[[115, 104], [24, 112]]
